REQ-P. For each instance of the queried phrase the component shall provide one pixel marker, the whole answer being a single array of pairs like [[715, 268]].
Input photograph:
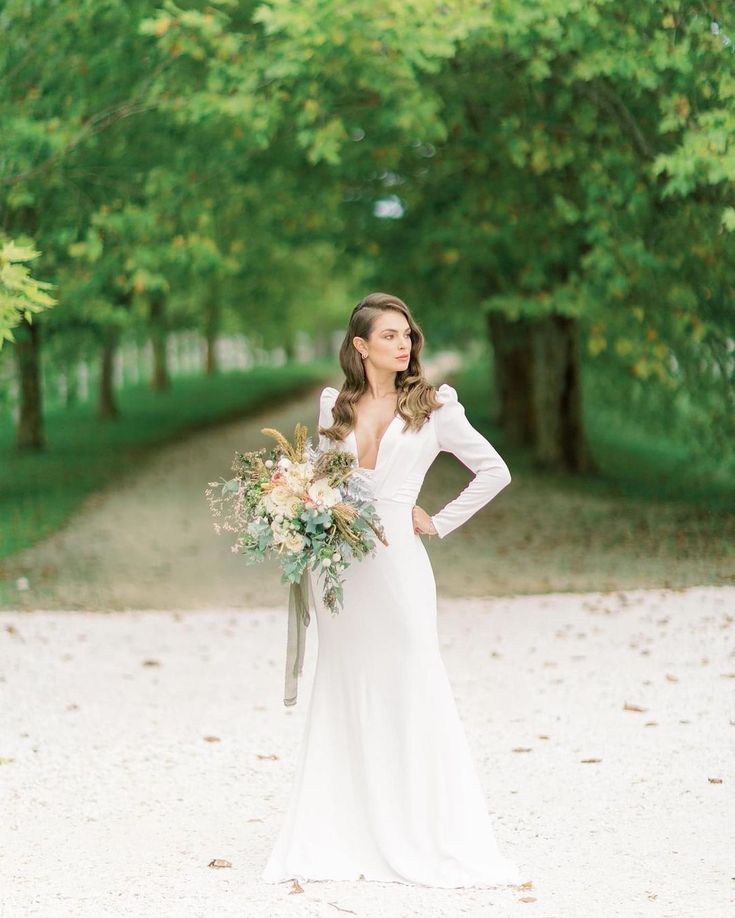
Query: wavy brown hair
[[416, 396]]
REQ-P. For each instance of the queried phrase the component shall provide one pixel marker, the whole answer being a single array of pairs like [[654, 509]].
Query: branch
[[95, 124], [617, 105]]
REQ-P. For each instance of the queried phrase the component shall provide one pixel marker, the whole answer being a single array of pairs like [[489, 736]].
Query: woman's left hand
[[422, 524]]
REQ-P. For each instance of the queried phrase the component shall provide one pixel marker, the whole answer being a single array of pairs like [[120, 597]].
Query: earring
[[364, 356]]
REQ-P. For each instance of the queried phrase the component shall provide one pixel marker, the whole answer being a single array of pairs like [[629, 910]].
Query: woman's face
[[389, 344]]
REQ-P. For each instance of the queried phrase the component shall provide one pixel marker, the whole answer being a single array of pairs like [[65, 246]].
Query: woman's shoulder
[[327, 399], [446, 393], [450, 406], [328, 393]]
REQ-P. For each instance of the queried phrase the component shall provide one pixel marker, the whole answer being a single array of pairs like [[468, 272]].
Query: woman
[[385, 786]]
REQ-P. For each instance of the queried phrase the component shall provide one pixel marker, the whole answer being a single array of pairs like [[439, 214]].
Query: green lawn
[[39, 491]]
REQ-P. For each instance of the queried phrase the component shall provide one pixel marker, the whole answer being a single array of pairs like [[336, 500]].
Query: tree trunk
[[29, 434], [559, 439], [322, 344], [160, 381], [72, 384], [211, 329], [212, 363], [537, 381], [107, 408], [512, 368]]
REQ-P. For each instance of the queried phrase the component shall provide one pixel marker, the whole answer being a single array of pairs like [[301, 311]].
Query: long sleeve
[[456, 435]]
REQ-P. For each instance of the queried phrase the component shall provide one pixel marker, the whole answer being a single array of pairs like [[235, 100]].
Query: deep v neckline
[[364, 468]]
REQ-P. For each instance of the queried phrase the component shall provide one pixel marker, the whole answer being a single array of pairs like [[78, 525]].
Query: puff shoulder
[[329, 394], [446, 393]]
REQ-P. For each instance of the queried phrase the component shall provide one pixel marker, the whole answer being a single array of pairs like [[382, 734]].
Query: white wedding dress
[[386, 788]]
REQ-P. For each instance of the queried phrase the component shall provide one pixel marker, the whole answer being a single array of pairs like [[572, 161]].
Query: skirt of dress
[[386, 788]]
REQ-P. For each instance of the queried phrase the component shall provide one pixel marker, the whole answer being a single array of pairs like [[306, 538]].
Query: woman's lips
[[404, 357]]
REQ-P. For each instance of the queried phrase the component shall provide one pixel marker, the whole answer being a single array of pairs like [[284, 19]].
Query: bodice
[[405, 456]]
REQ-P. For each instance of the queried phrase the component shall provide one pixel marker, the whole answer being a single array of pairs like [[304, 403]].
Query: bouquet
[[309, 508]]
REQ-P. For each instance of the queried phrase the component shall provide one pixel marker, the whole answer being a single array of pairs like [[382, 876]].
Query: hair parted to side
[[416, 396]]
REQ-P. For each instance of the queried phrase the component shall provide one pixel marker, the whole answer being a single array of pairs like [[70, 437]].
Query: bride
[[386, 788]]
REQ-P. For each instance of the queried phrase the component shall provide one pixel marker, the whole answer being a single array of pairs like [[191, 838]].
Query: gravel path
[[137, 747]]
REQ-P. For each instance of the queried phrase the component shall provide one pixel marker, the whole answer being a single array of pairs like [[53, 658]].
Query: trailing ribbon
[[299, 599]]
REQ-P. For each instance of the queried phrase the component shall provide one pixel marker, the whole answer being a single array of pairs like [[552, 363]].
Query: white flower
[[297, 477], [280, 502], [326, 562], [323, 494], [269, 463], [300, 475], [336, 556], [284, 462], [294, 541]]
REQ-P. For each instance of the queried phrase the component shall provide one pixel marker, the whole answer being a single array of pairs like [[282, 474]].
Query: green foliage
[[21, 294]]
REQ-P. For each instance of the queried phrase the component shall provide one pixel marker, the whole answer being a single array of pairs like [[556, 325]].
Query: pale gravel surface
[[113, 802]]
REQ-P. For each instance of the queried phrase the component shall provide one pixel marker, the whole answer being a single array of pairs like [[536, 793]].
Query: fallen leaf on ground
[[633, 707], [670, 678], [212, 739], [151, 663], [219, 862], [522, 749], [296, 887], [589, 761], [273, 756], [715, 780]]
